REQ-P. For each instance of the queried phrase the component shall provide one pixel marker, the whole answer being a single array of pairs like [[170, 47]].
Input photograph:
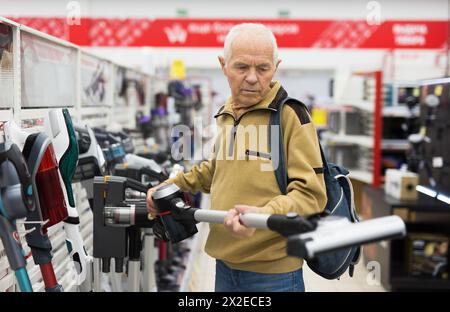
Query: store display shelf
[[7, 281], [363, 176], [187, 274], [392, 144], [400, 111], [34, 273], [96, 122], [364, 105], [366, 141], [121, 109], [6, 114], [4, 264], [37, 113], [94, 110]]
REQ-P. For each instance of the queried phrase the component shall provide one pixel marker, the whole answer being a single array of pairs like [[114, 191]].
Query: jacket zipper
[[233, 137], [236, 123]]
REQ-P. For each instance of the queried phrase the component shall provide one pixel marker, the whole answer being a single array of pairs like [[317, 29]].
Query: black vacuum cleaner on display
[[49, 199], [91, 161], [60, 129], [118, 221], [112, 148], [130, 166], [145, 175], [38, 152], [308, 237], [121, 161], [16, 201]]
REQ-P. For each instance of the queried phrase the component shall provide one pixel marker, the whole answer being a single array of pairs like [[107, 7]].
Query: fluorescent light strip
[[425, 190], [444, 198]]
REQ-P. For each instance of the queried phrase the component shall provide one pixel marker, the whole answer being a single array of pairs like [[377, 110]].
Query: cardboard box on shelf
[[401, 184]]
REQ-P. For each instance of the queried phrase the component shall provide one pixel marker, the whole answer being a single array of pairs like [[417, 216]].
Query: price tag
[[319, 116], [177, 70], [438, 162]]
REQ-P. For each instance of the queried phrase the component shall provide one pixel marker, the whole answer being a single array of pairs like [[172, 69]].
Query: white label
[[438, 162]]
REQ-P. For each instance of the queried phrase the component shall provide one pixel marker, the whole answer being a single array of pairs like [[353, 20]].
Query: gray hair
[[238, 29]]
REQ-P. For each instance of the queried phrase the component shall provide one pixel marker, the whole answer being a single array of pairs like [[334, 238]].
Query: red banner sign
[[324, 34]]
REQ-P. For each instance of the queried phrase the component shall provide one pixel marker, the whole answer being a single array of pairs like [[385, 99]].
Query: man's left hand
[[234, 225]]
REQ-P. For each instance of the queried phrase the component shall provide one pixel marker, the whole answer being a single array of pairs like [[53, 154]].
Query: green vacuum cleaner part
[[69, 160]]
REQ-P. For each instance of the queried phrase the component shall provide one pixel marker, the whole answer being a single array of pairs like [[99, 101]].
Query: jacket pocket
[[262, 155]]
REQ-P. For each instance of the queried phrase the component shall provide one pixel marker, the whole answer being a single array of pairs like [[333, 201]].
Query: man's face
[[250, 69]]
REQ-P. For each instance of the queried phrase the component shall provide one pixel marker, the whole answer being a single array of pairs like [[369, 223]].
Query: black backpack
[[340, 202]]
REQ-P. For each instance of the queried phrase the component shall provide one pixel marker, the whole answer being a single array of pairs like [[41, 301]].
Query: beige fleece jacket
[[241, 172]]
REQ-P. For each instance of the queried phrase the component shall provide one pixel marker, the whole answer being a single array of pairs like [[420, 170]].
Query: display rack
[[399, 122], [420, 260], [423, 216], [365, 131], [31, 52], [355, 139]]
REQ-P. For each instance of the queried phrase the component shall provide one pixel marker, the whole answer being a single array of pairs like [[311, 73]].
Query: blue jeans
[[230, 280]]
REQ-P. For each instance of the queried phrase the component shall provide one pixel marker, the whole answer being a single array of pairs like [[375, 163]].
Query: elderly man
[[249, 259]]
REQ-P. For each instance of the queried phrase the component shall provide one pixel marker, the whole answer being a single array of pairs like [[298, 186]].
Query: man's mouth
[[249, 91]]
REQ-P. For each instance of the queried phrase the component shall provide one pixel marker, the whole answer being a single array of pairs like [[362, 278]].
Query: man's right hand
[[150, 206]]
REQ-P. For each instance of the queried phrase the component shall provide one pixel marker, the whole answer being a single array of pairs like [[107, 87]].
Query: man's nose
[[251, 77]]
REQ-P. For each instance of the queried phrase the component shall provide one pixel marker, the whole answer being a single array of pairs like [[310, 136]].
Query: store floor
[[203, 272]]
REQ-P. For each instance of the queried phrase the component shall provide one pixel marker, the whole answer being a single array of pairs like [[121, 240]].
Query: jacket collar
[[270, 102]]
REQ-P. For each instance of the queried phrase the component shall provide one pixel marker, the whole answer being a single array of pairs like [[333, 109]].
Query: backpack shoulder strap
[[281, 173]]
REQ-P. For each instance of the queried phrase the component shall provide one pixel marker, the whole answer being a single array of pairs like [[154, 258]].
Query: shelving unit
[[27, 60], [360, 140], [363, 126], [393, 144], [355, 136], [364, 105], [400, 111], [424, 215], [362, 176]]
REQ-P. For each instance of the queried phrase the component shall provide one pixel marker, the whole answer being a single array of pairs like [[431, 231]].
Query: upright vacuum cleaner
[[16, 201], [307, 236], [38, 152], [59, 126], [118, 221], [149, 175], [91, 161], [112, 148]]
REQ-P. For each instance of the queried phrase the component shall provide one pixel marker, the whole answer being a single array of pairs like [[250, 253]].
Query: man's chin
[[249, 100]]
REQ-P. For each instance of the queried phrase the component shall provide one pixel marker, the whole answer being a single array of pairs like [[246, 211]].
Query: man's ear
[[278, 63], [222, 62]]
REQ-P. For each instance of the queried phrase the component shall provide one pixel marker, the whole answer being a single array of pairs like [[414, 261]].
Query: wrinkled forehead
[[252, 60], [252, 48]]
